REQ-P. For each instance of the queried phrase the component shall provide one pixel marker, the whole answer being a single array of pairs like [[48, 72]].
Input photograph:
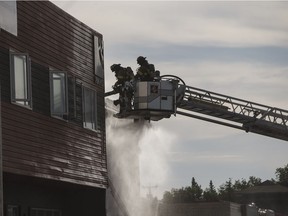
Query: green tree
[[226, 191], [282, 175], [168, 197], [253, 181], [210, 194], [243, 183], [240, 185], [196, 190]]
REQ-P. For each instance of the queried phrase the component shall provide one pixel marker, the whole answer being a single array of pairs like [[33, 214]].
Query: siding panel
[[34, 143]]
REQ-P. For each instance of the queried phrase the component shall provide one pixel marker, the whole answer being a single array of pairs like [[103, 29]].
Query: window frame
[[46, 210], [94, 112], [98, 57], [61, 115], [13, 208], [27, 82]]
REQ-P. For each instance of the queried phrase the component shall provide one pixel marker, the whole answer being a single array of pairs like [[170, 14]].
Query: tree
[[167, 197], [243, 184], [253, 181], [282, 175], [184, 195], [240, 185], [226, 191], [210, 194], [196, 190]]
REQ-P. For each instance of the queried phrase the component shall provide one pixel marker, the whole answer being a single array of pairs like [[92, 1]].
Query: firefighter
[[123, 86], [146, 71], [121, 74]]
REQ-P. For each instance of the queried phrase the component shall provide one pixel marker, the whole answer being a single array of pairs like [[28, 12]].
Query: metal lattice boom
[[234, 112]]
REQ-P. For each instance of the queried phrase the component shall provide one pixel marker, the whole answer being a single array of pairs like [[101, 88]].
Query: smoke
[[135, 150]]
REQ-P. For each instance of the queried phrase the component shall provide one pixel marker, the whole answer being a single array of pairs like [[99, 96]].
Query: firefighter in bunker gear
[[146, 71], [122, 74], [123, 86]]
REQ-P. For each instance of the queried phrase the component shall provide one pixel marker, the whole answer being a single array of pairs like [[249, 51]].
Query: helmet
[[141, 59], [115, 67]]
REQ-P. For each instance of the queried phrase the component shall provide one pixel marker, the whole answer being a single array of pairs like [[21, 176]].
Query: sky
[[236, 48]]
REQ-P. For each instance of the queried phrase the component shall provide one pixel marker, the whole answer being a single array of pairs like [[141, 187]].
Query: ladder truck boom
[[161, 98], [234, 112]]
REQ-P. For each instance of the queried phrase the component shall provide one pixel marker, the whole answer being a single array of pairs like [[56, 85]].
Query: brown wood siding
[[54, 38], [34, 143]]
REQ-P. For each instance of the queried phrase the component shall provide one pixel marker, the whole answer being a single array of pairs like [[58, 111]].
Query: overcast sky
[[234, 48]]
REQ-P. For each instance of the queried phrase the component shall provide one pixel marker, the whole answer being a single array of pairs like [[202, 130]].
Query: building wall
[[54, 38], [28, 193], [200, 209], [274, 200], [34, 143]]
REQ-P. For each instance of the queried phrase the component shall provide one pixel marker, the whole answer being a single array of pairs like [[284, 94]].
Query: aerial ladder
[[169, 95], [233, 112]]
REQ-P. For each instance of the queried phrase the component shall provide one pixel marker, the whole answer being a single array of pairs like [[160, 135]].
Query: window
[[58, 93], [8, 16], [98, 57], [89, 108], [45, 212], [20, 79], [12, 210]]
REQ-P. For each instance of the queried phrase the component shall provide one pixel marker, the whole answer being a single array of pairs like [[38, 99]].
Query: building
[[267, 195], [200, 209], [53, 149]]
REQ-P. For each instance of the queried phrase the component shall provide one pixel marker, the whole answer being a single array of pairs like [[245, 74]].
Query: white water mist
[[123, 195], [134, 150], [155, 145]]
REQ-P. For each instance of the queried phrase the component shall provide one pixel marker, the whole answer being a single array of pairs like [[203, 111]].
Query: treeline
[[226, 191]]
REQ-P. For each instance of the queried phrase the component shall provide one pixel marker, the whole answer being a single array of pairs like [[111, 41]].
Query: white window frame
[[26, 100], [92, 123], [64, 95]]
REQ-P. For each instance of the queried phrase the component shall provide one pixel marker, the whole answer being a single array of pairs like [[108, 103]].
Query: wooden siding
[[34, 143], [54, 38]]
